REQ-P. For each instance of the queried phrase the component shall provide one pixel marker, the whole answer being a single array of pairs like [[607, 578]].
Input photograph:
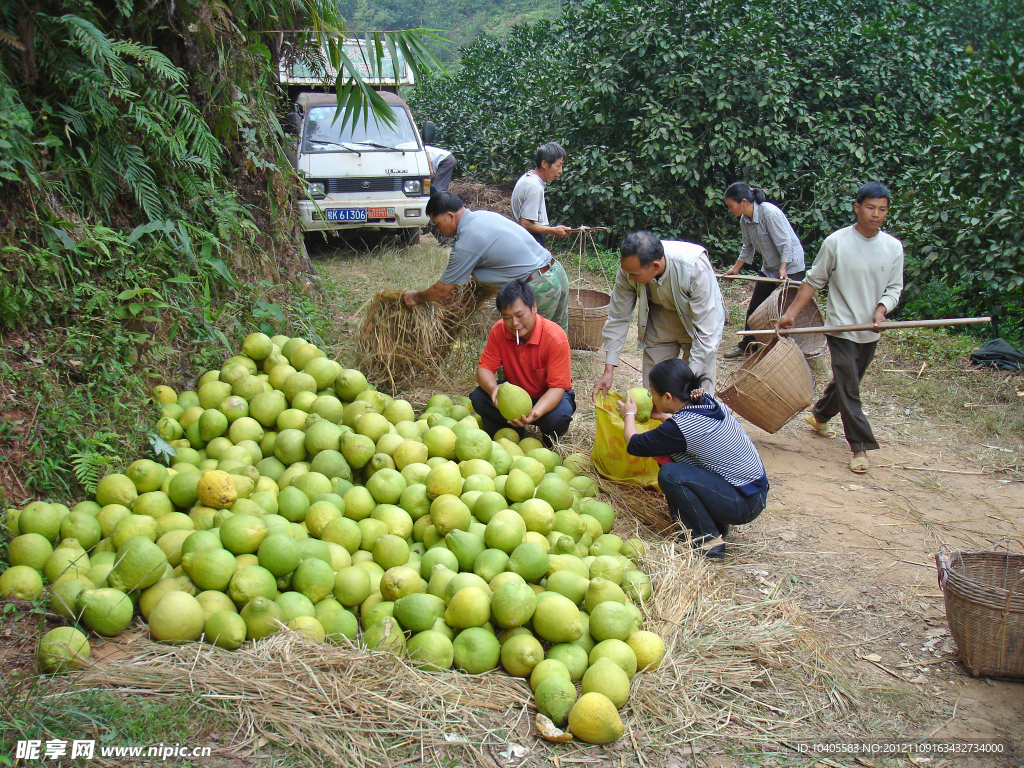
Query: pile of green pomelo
[[298, 496]]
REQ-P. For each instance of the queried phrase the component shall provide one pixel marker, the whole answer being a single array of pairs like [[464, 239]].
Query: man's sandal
[[859, 464], [821, 427]]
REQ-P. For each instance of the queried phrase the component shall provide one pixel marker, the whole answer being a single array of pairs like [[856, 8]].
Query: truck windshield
[[324, 134]]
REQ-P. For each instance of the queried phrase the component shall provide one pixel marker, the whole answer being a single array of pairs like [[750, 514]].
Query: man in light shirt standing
[[681, 312], [863, 268], [528, 207]]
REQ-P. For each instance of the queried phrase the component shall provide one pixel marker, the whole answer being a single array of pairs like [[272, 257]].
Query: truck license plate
[[380, 213], [345, 214]]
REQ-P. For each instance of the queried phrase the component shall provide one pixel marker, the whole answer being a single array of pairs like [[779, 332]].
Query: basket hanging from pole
[[773, 385], [768, 313], [984, 595], [588, 311]]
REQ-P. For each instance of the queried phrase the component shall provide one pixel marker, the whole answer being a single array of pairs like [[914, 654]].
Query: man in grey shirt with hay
[[493, 250]]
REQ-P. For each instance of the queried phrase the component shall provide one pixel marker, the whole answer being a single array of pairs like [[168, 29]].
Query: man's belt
[[535, 275]]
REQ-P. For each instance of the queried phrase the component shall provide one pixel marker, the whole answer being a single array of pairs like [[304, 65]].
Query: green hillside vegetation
[[148, 212], [661, 104], [460, 21]]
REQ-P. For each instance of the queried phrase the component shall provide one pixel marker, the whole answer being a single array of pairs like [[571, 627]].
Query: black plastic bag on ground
[[998, 354]]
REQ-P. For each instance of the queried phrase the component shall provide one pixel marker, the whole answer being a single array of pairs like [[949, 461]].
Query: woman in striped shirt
[[766, 230], [711, 474]]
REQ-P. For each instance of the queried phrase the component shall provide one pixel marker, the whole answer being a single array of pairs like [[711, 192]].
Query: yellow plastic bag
[[610, 456]]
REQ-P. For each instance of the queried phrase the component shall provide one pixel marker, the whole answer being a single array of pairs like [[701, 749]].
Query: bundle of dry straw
[[404, 348]]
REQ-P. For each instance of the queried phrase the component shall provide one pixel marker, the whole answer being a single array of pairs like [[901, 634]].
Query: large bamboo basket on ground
[[775, 306], [984, 595], [588, 311], [772, 385]]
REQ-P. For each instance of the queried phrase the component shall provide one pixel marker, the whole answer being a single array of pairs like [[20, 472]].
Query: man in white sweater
[[863, 268]]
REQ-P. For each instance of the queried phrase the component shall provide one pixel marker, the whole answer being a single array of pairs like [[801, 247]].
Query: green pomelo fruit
[[106, 611], [252, 581], [548, 668], [225, 629], [513, 604], [476, 651], [294, 604], [619, 652], [419, 611], [513, 402], [644, 403], [520, 654], [431, 650], [61, 650], [554, 698], [140, 563], [340, 626], [262, 617], [209, 568]]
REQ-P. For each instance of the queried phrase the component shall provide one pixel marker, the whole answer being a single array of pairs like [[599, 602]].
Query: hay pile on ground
[[403, 348], [483, 197], [747, 671]]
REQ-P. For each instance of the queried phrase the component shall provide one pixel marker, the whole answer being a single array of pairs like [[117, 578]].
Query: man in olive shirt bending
[[863, 268]]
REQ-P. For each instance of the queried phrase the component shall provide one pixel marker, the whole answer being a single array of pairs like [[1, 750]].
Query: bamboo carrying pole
[[870, 326], [759, 279]]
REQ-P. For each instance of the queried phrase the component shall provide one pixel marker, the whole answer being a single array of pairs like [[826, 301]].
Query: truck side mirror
[[429, 132], [292, 122]]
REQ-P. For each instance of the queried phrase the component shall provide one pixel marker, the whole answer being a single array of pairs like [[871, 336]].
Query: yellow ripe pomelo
[[557, 619], [649, 649], [22, 582], [147, 475], [594, 719], [176, 618]]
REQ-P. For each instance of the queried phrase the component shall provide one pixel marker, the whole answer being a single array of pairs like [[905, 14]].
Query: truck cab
[[365, 175]]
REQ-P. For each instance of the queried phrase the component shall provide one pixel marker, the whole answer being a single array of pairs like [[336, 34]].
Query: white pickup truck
[[365, 175]]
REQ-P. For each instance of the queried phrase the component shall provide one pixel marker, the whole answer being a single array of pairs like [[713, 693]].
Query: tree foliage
[[661, 104], [963, 206]]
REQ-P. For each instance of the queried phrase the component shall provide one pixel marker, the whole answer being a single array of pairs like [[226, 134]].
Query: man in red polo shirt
[[533, 353]]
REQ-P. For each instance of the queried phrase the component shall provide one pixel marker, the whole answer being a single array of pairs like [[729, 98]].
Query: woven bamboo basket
[[984, 593], [772, 385], [775, 306], [588, 311]]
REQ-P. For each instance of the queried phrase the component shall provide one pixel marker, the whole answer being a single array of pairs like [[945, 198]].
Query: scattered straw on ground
[[402, 348], [743, 670]]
